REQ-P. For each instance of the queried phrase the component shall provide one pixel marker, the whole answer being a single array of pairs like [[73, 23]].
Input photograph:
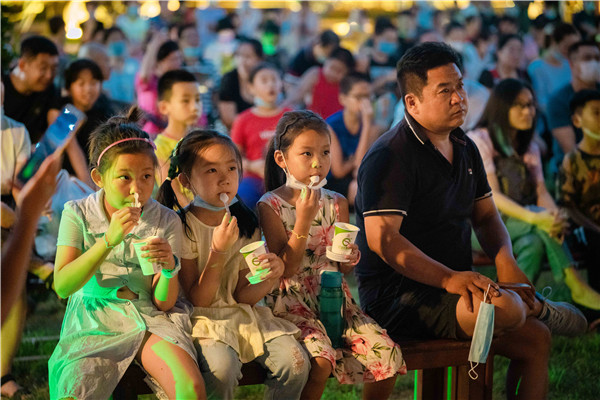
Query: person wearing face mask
[[253, 129], [189, 42], [579, 190], [584, 59], [314, 54], [119, 85], [552, 71], [383, 53]]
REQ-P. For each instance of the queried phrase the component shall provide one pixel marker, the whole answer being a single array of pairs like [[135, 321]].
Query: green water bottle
[[332, 302]]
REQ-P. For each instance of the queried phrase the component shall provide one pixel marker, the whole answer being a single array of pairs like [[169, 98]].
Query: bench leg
[[454, 383], [430, 383]]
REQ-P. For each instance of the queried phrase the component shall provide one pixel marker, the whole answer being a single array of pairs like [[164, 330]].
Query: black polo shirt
[[404, 174]]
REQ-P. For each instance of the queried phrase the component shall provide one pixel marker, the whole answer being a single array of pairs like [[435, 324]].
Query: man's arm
[[384, 238], [16, 252], [495, 241]]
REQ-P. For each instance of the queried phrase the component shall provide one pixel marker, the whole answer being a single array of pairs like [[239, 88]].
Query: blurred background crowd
[[250, 61]]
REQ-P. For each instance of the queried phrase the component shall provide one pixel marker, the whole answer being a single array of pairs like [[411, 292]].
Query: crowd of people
[[442, 134]]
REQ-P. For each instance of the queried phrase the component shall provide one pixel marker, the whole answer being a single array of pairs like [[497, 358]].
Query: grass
[[574, 368]]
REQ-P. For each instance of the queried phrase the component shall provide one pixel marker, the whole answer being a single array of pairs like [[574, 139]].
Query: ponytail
[[274, 175], [183, 159]]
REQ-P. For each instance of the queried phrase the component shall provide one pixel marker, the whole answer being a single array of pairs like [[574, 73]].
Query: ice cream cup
[[147, 266], [251, 253], [344, 235]]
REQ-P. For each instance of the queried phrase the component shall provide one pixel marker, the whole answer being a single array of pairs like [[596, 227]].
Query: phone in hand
[[55, 137]]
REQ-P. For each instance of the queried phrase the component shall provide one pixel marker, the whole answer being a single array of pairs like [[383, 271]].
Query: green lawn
[[574, 366]]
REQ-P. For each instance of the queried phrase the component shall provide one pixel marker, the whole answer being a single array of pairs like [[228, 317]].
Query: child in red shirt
[[323, 84], [253, 129]]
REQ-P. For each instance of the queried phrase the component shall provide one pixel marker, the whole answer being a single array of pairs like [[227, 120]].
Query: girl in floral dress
[[298, 224]]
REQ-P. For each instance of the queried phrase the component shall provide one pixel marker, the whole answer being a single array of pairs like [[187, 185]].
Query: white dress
[[242, 327], [101, 333]]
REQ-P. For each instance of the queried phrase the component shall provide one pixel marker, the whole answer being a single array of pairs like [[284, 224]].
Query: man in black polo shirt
[[29, 91], [421, 186]]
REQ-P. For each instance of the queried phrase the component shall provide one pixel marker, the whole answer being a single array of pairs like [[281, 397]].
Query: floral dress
[[370, 354]]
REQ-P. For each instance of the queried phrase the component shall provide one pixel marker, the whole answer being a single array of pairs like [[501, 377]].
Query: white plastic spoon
[[225, 199], [313, 181]]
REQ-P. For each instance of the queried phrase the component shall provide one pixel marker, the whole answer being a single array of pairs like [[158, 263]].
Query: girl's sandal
[[20, 394]]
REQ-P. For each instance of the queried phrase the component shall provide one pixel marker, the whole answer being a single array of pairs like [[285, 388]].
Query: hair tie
[[121, 141]]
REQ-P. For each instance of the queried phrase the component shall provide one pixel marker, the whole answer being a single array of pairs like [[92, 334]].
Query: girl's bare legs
[[380, 389], [320, 370], [172, 367]]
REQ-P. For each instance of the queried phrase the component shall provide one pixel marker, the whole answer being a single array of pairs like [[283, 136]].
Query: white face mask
[[292, 182], [591, 134], [590, 71]]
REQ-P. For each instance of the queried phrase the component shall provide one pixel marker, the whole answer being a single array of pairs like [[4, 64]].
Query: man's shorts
[[421, 312]]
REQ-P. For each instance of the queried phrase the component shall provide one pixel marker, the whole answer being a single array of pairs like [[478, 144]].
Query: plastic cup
[[344, 235], [251, 253], [147, 266]]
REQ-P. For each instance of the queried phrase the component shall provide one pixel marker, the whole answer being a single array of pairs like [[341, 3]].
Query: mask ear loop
[[472, 374]]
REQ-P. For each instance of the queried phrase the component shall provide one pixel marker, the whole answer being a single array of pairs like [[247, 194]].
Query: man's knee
[[510, 311]]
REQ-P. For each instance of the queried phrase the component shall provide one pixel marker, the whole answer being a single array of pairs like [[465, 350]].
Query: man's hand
[[38, 191], [468, 284]]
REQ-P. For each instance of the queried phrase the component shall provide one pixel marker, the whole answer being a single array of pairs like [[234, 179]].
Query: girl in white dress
[[116, 313], [229, 328]]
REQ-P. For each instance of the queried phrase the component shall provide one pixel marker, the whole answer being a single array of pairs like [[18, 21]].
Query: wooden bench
[[442, 373]]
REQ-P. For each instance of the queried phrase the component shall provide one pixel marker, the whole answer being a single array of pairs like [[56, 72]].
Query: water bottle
[[331, 302]]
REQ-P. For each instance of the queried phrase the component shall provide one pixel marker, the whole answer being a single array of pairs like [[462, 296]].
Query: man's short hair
[[166, 49], [563, 30], [352, 79], [76, 67], [344, 56], [574, 48], [329, 38], [418, 60], [34, 45], [581, 98], [168, 79]]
